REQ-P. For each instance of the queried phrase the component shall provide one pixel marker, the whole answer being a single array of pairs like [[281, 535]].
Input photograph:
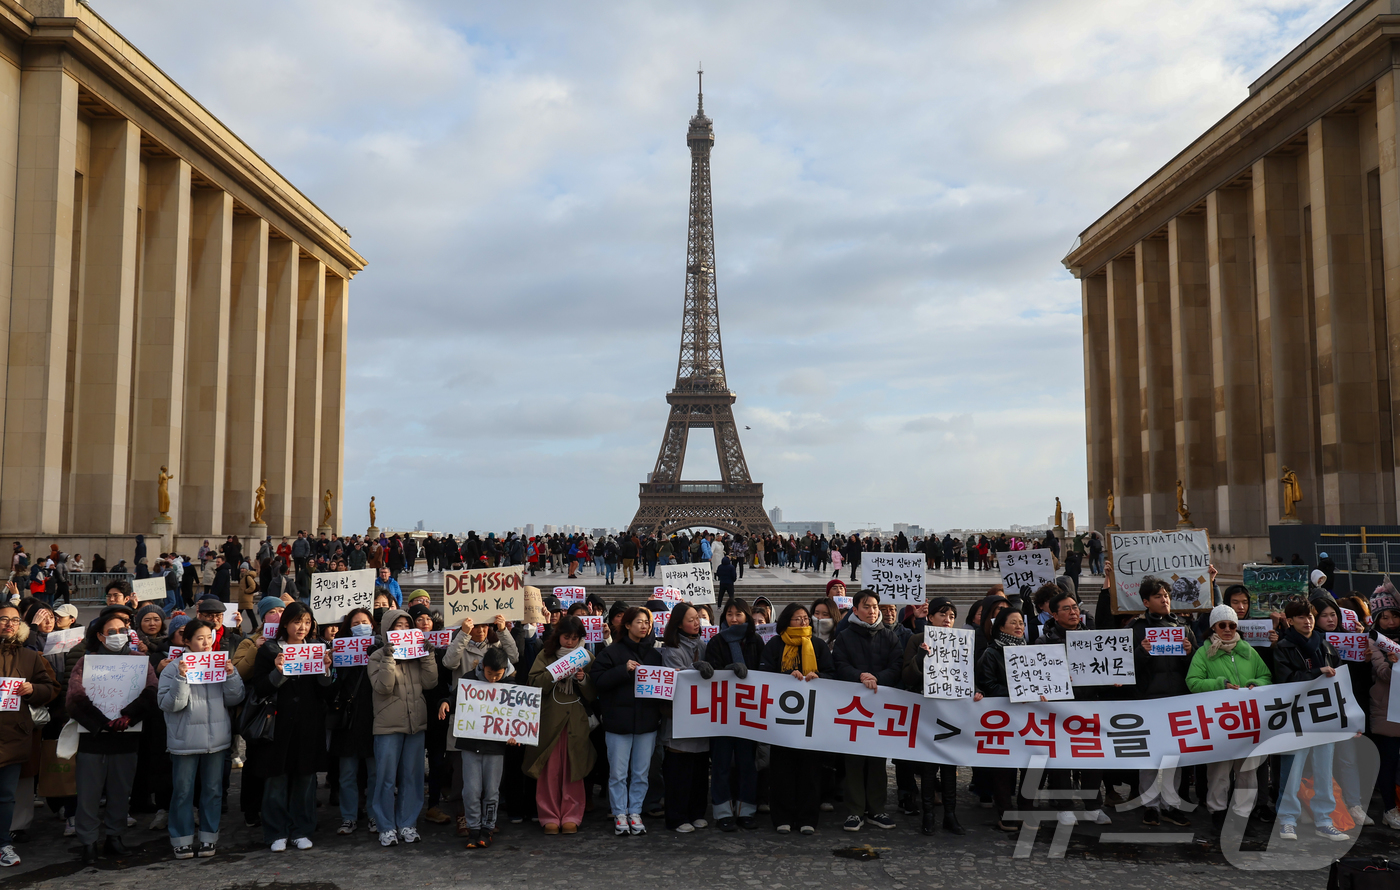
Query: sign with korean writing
[[9, 693], [350, 651], [482, 594], [1100, 657], [497, 711], [62, 640], [896, 577], [439, 639], [1180, 557], [147, 589], [844, 603], [205, 667], [113, 681], [1256, 631], [1350, 622], [668, 595], [270, 625], [575, 661], [567, 596], [694, 580], [708, 631], [300, 659], [846, 718], [175, 652], [407, 644], [1386, 645], [1273, 587], [334, 594], [1035, 671], [948, 663], [1166, 640], [1023, 572], [766, 631], [593, 628], [659, 620], [1349, 646], [655, 682]]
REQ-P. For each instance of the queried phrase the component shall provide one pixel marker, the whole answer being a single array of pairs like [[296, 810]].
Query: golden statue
[[1111, 523], [1181, 510], [259, 502], [1292, 493], [371, 512], [326, 509], [163, 492], [1059, 516]]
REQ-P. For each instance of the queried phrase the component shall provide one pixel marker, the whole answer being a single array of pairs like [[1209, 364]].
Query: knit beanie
[[832, 583], [267, 604], [1223, 613]]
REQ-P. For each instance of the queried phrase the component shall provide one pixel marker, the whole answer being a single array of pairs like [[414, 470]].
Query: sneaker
[[806, 829], [1066, 817], [684, 828], [437, 816], [620, 826], [238, 763], [388, 838], [784, 829], [184, 851], [748, 823], [474, 838], [302, 843], [1391, 819], [1175, 816], [205, 850], [1331, 833], [373, 827], [252, 821], [346, 827], [880, 820], [487, 837], [827, 807], [634, 821], [1152, 816], [279, 845], [159, 820], [699, 823], [1358, 815], [70, 829], [8, 856], [409, 835], [1098, 817], [727, 824], [1288, 832], [853, 823], [764, 808]]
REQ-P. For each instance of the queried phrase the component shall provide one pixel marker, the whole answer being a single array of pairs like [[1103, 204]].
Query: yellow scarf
[[797, 649]]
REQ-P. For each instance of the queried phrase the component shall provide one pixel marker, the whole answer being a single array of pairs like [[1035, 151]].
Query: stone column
[[333, 395], [246, 344], [279, 385], [157, 420], [1238, 450], [1388, 139], [1097, 397], [1192, 383], [306, 445], [1126, 391], [1287, 400], [9, 164], [206, 372], [35, 394], [1154, 317], [102, 388], [1342, 308]]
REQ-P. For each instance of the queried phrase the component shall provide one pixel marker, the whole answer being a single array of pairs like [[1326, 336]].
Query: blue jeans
[[612, 570], [728, 754], [651, 568], [1348, 774], [350, 788], [398, 762], [185, 771], [9, 778], [1323, 803], [598, 565], [629, 761], [289, 807]]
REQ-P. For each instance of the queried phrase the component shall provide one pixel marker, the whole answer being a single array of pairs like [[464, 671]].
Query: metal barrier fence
[[87, 588], [1361, 565]]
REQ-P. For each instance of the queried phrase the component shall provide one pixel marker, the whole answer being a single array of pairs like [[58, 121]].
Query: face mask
[[361, 630], [115, 642], [823, 626]]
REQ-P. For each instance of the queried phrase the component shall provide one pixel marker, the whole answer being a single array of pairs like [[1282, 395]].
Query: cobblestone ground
[[1123, 855]]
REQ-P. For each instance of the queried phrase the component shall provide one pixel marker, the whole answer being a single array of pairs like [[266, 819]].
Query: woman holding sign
[[37, 687], [795, 650], [738, 646], [1008, 628], [564, 756], [685, 768], [198, 733], [398, 680], [629, 723], [299, 689]]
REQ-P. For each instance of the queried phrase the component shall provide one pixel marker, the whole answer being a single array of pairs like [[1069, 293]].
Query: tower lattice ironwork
[[702, 398]]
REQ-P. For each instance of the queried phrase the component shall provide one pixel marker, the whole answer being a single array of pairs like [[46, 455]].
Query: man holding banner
[[1160, 676], [866, 652]]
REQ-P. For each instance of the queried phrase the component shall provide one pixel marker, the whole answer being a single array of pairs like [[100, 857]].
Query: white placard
[[482, 594], [844, 603], [668, 595], [659, 620], [1351, 623], [1166, 640], [231, 616], [62, 640], [147, 589], [654, 682], [895, 577], [302, 659], [948, 670], [350, 651], [497, 711], [1181, 558], [593, 628], [1023, 572], [1349, 646], [569, 664], [439, 639], [695, 581], [202, 668], [1033, 671], [1101, 657], [269, 628], [9, 693], [767, 631], [407, 644], [112, 682], [1256, 630], [708, 631], [569, 595], [334, 594]]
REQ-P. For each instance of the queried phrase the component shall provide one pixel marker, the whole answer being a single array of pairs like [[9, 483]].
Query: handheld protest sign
[[1166, 640], [695, 581], [567, 596], [350, 651], [948, 669], [497, 711], [407, 644], [652, 681], [1180, 557], [113, 681], [894, 577], [1023, 572], [482, 594], [147, 589], [1033, 671], [1271, 588], [302, 659], [9, 693], [333, 594], [1349, 646], [569, 664], [1101, 657], [205, 667]]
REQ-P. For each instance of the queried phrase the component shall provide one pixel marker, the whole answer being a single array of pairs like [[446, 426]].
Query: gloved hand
[[706, 672], [740, 670], [120, 724]]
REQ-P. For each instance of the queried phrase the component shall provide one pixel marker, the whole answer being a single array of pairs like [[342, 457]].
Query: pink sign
[[9, 693], [205, 667], [407, 644], [301, 659], [350, 651], [439, 639], [655, 682]]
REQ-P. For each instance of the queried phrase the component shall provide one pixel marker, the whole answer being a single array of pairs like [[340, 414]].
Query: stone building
[[1242, 306], [169, 300]]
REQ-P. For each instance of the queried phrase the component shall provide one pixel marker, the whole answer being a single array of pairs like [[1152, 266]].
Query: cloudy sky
[[894, 187]]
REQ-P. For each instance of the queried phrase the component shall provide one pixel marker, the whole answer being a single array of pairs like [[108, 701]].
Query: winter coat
[[1291, 665], [197, 715], [562, 715], [99, 739], [298, 745], [772, 658], [861, 650], [352, 714], [1241, 667], [399, 706], [990, 672], [719, 655], [17, 727], [623, 713], [248, 591], [463, 655], [1160, 676], [682, 657], [1381, 672]]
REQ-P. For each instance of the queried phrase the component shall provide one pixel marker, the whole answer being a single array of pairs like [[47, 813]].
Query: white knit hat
[[1223, 613]]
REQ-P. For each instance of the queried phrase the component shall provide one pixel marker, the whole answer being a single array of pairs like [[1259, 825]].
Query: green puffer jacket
[[1242, 667]]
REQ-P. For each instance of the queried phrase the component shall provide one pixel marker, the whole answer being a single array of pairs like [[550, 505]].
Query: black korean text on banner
[[1181, 558], [1023, 572], [847, 718], [333, 594], [482, 594], [694, 580], [948, 664], [1101, 657], [896, 577], [1035, 671]]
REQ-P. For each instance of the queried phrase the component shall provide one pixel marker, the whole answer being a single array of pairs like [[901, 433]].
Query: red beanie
[[833, 582]]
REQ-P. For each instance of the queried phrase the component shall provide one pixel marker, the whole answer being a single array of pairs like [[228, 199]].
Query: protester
[[1008, 628], [629, 723], [17, 730], [739, 648], [797, 651], [1160, 676], [352, 730], [482, 759], [400, 724], [685, 769], [866, 652], [940, 776], [1386, 614], [564, 755]]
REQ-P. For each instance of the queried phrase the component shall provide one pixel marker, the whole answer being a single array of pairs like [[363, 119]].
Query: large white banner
[[847, 718], [896, 577], [1023, 572], [695, 581]]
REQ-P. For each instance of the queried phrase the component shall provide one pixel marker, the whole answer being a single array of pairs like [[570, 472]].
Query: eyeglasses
[[10, 620]]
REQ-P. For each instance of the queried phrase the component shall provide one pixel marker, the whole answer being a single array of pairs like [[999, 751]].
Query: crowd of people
[[380, 732]]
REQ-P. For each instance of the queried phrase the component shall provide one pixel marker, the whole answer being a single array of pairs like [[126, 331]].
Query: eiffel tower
[[701, 399]]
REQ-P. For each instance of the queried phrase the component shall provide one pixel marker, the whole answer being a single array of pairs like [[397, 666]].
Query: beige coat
[[558, 714], [398, 685]]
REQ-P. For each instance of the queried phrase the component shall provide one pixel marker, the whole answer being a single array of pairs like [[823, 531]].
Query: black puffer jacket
[[1160, 676], [991, 672], [861, 650], [1292, 664], [623, 713]]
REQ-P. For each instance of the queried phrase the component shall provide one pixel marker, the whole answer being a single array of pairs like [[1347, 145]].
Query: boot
[[950, 802], [89, 854], [115, 847], [926, 816]]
